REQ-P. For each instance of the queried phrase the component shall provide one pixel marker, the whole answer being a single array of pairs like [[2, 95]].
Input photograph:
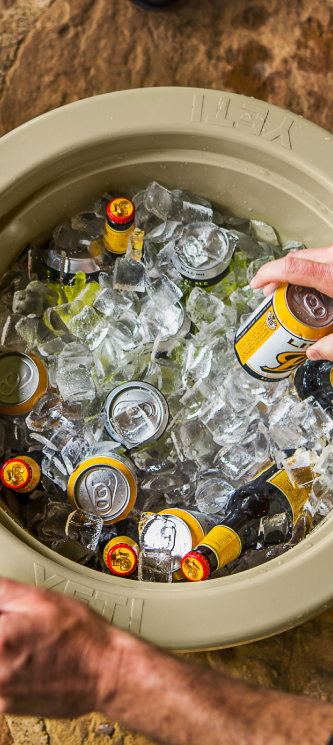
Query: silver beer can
[[105, 485], [136, 414], [23, 379]]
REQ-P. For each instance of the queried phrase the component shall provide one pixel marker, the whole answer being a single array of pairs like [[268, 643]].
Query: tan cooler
[[251, 159]]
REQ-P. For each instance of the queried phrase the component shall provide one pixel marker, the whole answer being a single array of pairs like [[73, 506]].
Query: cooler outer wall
[[250, 158]]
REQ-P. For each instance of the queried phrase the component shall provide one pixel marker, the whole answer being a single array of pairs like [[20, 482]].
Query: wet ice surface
[[139, 320]]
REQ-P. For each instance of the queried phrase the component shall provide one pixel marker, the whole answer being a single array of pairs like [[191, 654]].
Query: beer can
[[21, 474], [74, 262], [176, 529], [136, 414], [120, 555], [212, 270], [119, 225], [23, 380], [106, 486], [272, 343]]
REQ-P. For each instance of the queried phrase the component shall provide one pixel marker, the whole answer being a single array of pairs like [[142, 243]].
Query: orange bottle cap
[[195, 567], [120, 210], [15, 473]]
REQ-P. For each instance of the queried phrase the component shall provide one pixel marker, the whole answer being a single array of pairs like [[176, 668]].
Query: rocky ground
[[53, 52]]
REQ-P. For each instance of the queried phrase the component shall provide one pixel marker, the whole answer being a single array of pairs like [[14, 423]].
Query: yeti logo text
[[248, 117], [122, 611]]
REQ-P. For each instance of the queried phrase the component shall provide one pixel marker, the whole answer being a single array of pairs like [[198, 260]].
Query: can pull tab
[[135, 411], [168, 533], [314, 304], [9, 384]]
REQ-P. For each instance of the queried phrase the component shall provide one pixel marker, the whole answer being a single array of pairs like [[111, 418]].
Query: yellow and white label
[[265, 347], [297, 496], [116, 241], [225, 543]]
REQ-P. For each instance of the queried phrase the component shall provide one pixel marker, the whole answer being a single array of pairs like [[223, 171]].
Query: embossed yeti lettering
[[248, 117], [105, 603]]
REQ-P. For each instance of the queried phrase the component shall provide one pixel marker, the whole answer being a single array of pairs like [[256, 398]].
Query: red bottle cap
[[195, 567], [15, 473], [120, 210], [121, 559]]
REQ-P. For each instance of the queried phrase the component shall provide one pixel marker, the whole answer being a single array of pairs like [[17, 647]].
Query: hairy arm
[[58, 658]]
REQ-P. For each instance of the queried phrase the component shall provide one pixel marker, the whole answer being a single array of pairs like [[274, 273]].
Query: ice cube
[[300, 467], [192, 439], [213, 492], [158, 200], [129, 274], [226, 426], [263, 232], [163, 292], [54, 523], [89, 327], [74, 451], [128, 331], [196, 212], [293, 246], [33, 331], [155, 565], [89, 223], [132, 425], [85, 527], [46, 412], [27, 301], [203, 308], [50, 470]]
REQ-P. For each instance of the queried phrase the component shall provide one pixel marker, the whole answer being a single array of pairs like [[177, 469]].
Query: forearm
[[178, 703]]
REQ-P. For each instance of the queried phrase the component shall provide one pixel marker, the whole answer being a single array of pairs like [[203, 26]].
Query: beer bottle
[[120, 554], [315, 378], [271, 492], [22, 474]]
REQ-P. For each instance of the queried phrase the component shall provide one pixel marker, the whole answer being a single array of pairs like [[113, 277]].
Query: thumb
[[322, 349]]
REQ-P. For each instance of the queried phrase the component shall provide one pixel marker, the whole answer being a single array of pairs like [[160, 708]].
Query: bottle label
[[225, 543], [116, 241], [331, 376], [297, 496]]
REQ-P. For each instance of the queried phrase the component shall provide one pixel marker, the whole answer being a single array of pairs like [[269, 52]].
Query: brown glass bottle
[[270, 493]]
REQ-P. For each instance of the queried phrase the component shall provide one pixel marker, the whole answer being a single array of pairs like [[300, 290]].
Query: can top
[[310, 306], [74, 261], [15, 473], [136, 413], [195, 567], [105, 486], [120, 210], [21, 378], [167, 532]]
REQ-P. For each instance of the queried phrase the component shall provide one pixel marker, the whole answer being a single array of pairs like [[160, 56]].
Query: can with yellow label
[[23, 380], [105, 485], [22, 474], [272, 343], [119, 225]]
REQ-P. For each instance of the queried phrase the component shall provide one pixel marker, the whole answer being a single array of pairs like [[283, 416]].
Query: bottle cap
[[195, 567], [120, 210], [15, 473], [120, 558]]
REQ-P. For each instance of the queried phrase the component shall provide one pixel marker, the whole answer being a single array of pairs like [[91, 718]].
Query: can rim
[[15, 460], [203, 563], [116, 218], [146, 386], [105, 460], [131, 550], [41, 387]]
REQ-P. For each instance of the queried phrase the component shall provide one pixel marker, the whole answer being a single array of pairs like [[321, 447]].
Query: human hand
[[312, 267], [58, 658]]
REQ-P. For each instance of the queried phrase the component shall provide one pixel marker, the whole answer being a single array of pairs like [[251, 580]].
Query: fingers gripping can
[[23, 380], [272, 343], [106, 486]]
